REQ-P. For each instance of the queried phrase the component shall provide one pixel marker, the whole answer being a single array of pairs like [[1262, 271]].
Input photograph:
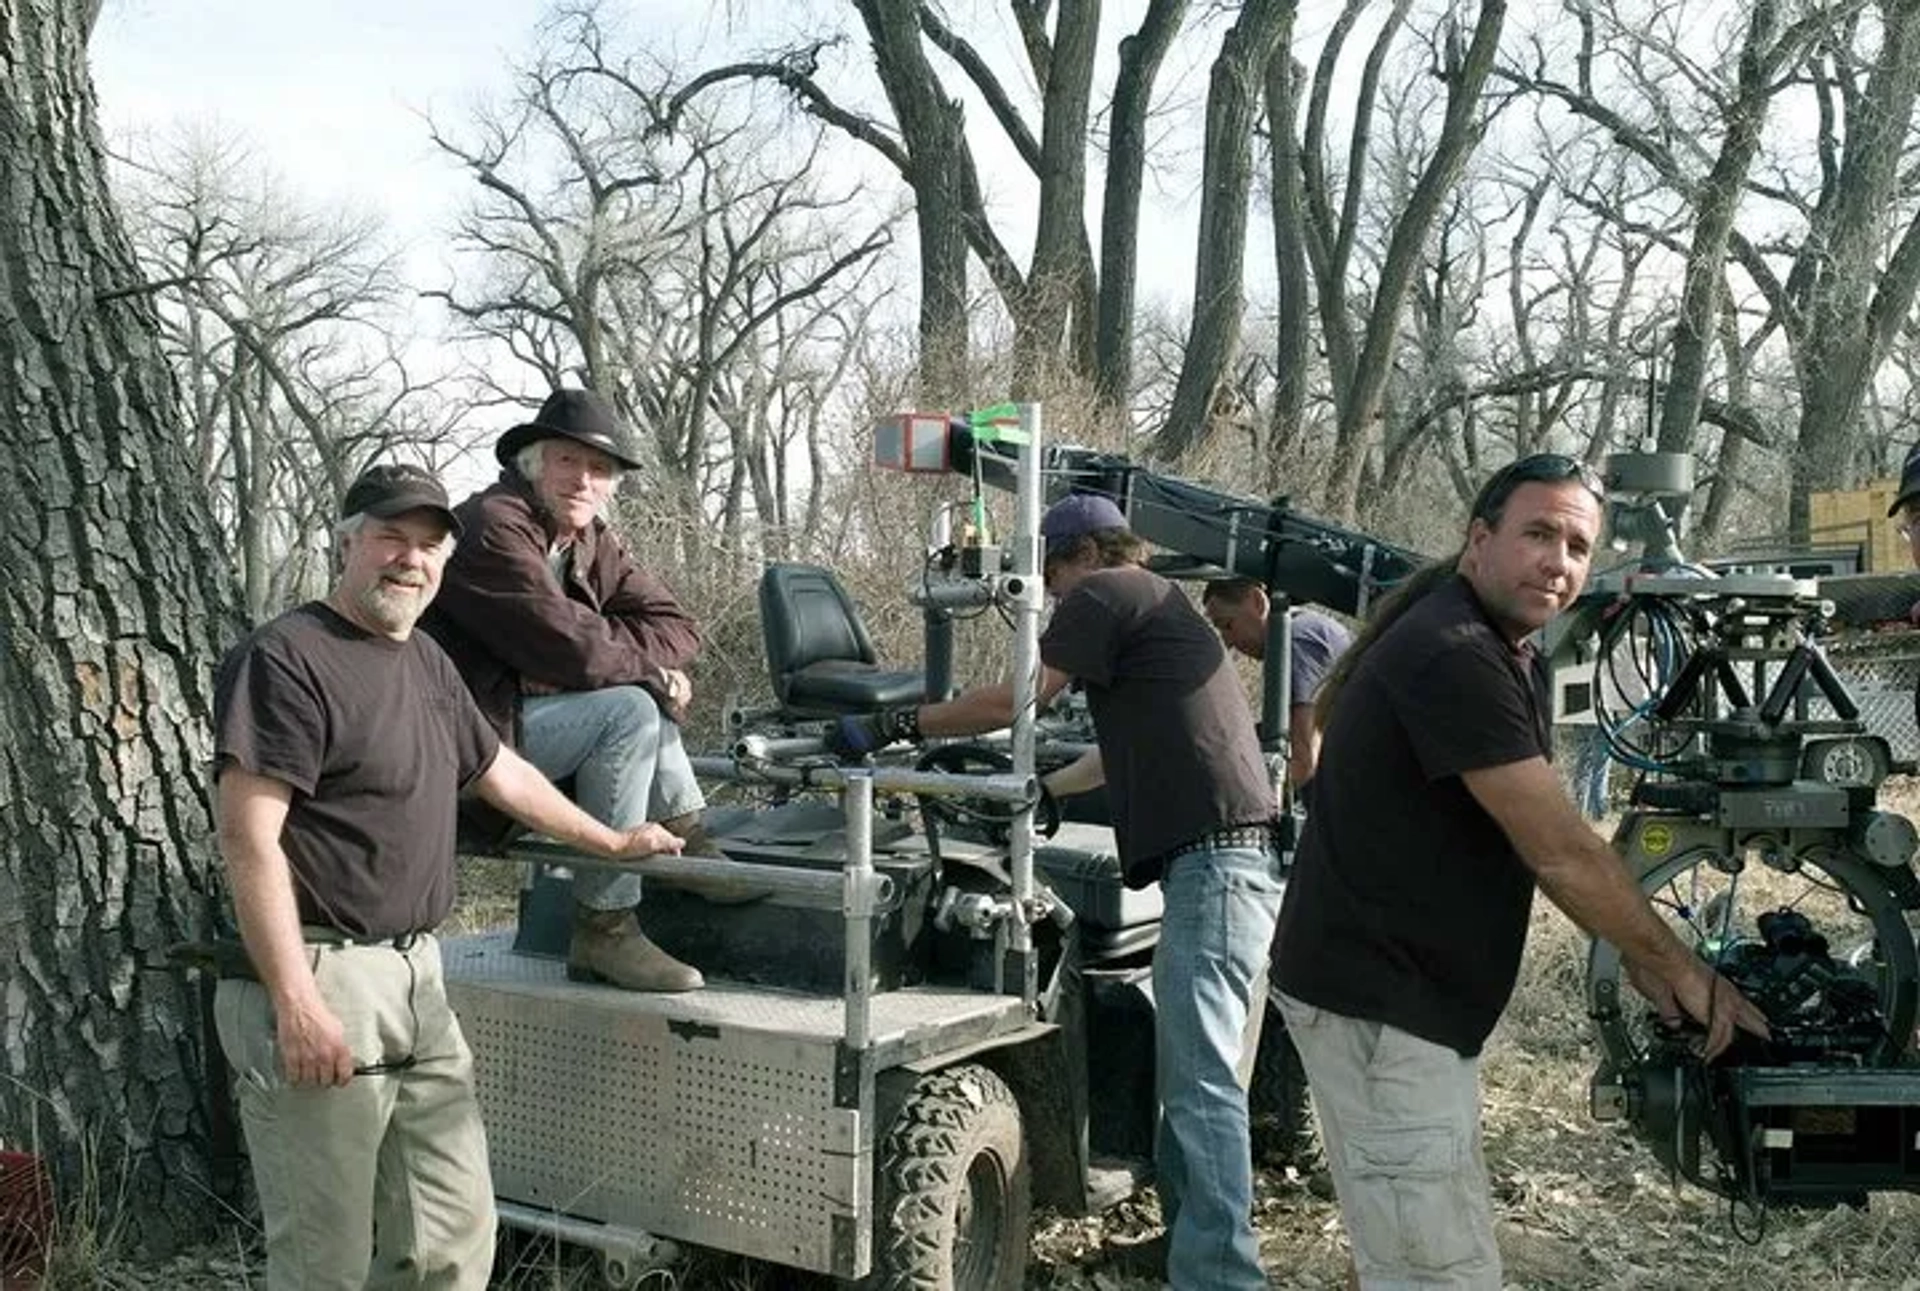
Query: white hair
[[531, 460]]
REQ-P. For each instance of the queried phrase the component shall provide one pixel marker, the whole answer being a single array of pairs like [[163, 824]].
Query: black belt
[[1263, 835], [315, 936]]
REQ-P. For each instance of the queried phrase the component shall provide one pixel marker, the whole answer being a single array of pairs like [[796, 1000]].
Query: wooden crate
[[1860, 516]]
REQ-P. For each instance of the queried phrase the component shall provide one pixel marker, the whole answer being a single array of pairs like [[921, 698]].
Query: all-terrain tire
[[1279, 1110], [953, 1190]]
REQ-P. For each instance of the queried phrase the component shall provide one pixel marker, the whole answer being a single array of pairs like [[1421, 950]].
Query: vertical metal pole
[[1026, 688], [856, 903]]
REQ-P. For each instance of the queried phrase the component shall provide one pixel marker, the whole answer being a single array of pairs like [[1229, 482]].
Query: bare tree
[[648, 245], [1071, 320], [1226, 180], [116, 602], [286, 327], [1462, 63], [1141, 54], [1839, 262]]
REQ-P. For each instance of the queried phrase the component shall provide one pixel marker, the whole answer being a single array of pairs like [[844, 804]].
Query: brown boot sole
[[581, 973]]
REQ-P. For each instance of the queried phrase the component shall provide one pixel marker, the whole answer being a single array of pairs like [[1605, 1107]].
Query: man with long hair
[[1435, 815], [578, 657]]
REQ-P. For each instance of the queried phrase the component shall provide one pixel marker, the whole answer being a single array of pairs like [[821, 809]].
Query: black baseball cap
[[395, 488], [1077, 515]]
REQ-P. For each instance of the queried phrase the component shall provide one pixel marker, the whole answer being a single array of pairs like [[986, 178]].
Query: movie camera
[[1753, 827]]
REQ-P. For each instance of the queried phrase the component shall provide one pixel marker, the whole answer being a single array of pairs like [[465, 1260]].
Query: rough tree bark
[[115, 601]]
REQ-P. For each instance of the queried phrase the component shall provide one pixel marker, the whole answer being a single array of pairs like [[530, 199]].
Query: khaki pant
[[1400, 1119], [382, 1183]]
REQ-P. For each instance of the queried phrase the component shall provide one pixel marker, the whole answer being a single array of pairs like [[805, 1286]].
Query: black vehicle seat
[[821, 660]]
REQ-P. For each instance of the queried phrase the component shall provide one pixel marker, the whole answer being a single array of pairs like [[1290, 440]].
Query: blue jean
[[1220, 906], [627, 763]]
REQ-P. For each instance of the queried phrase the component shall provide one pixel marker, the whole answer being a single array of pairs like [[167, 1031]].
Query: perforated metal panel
[[707, 1117]]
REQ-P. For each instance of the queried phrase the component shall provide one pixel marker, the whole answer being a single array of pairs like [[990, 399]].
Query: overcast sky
[[332, 96], [332, 93]]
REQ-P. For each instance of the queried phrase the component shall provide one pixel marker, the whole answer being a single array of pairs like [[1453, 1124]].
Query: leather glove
[[858, 734]]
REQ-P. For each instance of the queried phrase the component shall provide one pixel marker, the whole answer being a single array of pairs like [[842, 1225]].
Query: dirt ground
[[1581, 1206]]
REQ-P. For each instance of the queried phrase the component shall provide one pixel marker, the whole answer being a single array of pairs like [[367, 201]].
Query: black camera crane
[[1209, 533]]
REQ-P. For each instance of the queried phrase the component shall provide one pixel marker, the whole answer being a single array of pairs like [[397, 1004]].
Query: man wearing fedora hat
[[576, 655], [1193, 810], [341, 740]]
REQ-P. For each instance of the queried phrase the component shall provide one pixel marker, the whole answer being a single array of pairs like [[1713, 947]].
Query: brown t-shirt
[[1408, 904], [376, 737], [1176, 735]]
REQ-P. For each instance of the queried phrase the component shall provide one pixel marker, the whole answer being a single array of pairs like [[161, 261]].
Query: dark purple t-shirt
[[1176, 736], [1407, 903], [376, 737], [1318, 642]]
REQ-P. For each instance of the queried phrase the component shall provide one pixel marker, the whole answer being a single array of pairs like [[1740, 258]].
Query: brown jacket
[[511, 627]]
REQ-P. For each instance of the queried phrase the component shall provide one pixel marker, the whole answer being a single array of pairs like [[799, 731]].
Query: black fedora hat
[[579, 415]]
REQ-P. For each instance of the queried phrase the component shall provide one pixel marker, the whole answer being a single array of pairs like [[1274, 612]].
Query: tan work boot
[[719, 890], [609, 947]]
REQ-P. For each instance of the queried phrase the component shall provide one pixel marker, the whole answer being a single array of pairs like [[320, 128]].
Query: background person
[[1239, 609], [342, 741], [1435, 813]]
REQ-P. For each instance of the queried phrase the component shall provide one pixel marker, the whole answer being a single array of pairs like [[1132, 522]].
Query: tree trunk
[[1226, 175], [1718, 203], [935, 134], [116, 600], [1140, 56], [1465, 74], [1293, 295], [1060, 264], [1851, 313]]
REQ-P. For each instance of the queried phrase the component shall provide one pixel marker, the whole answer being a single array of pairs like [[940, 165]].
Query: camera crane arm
[[1211, 533]]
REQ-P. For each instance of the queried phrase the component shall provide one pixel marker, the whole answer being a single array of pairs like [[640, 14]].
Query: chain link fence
[[1881, 670]]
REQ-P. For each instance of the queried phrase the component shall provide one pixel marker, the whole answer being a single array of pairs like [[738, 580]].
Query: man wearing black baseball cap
[[578, 657], [1193, 810], [342, 739]]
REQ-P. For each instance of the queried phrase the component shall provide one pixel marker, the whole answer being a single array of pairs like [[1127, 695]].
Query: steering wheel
[[993, 817]]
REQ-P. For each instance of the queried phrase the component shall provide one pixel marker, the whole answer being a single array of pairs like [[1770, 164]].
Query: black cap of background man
[[393, 489], [1909, 482]]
